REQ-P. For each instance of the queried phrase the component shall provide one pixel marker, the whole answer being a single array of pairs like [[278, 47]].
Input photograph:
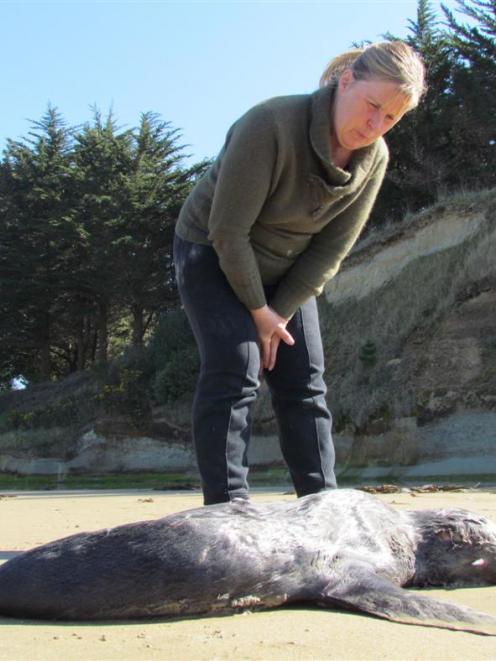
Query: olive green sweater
[[275, 208]]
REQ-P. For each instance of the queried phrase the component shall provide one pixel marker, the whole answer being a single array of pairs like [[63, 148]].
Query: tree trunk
[[80, 343], [101, 355], [45, 361], [138, 326]]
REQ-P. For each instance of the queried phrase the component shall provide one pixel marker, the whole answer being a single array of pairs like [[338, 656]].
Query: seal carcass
[[341, 548]]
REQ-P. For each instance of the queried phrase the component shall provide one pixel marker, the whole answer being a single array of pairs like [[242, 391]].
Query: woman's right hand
[[271, 329]]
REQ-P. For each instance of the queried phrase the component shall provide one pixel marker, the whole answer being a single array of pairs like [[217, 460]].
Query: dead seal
[[340, 548]]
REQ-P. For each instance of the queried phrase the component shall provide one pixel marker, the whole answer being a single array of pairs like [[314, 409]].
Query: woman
[[257, 239]]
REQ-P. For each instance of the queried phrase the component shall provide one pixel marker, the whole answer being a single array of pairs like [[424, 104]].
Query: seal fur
[[341, 548]]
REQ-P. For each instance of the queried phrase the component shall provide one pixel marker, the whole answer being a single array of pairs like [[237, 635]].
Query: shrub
[[175, 358], [368, 354]]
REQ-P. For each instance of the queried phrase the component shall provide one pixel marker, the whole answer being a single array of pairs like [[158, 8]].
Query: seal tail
[[365, 591]]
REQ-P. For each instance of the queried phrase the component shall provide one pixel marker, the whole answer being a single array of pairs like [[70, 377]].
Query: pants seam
[[316, 426], [228, 430]]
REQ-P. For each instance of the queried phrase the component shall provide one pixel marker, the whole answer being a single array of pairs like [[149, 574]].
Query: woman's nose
[[375, 121]]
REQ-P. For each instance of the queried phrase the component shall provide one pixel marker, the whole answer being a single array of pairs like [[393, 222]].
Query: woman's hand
[[271, 329]]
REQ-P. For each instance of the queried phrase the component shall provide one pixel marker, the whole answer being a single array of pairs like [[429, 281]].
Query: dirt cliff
[[409, 328]]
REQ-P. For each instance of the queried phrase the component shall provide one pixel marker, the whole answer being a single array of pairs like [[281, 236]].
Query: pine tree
[[86, 218], [449, 141], [39, 233], [474, 129], [156, 188], [475, 42], [420, 142], [103, 160]]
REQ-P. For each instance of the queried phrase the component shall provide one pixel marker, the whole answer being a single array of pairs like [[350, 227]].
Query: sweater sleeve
[[323, 257], [242, 187]]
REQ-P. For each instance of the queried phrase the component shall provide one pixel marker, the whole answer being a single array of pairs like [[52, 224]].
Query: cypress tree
[[102, 157], [420, 143], [156, 187], [39, 233], [474, 84]]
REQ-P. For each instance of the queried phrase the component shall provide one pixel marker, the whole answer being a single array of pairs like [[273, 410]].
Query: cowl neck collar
[[361, 161]]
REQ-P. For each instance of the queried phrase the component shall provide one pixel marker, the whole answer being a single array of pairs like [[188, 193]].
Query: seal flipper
[[364, 590]]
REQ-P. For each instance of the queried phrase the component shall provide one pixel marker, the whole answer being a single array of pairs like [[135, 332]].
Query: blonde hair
[[390, 61]]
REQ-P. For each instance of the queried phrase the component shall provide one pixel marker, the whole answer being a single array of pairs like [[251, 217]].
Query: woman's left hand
[[271, 328]]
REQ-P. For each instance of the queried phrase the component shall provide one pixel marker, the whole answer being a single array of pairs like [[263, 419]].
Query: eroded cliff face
[[409, 327]]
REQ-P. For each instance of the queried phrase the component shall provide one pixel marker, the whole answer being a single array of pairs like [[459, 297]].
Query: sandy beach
[[33, 518]]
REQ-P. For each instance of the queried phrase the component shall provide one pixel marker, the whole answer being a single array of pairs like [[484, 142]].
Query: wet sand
[[29, 519]]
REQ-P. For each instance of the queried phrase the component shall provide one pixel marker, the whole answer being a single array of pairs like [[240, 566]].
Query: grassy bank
[[159, 481], [267, 477]]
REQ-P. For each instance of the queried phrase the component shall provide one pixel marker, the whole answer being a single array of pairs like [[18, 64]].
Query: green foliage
[[162, 372], [87, 213], [161, 481], [174, 354], [448, 142], [41, 442], [38, 235], [124, 387], [86, 217], [341, 422], [178, 376], [474, 87], [62, 412], [368, 354]]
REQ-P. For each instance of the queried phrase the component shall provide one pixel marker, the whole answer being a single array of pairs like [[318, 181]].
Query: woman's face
[[365, 110]]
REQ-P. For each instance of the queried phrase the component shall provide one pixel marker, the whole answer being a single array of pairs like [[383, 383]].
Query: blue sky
[[199, 65]]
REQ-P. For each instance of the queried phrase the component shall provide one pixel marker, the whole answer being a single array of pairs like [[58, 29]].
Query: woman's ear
[[345, 79]]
